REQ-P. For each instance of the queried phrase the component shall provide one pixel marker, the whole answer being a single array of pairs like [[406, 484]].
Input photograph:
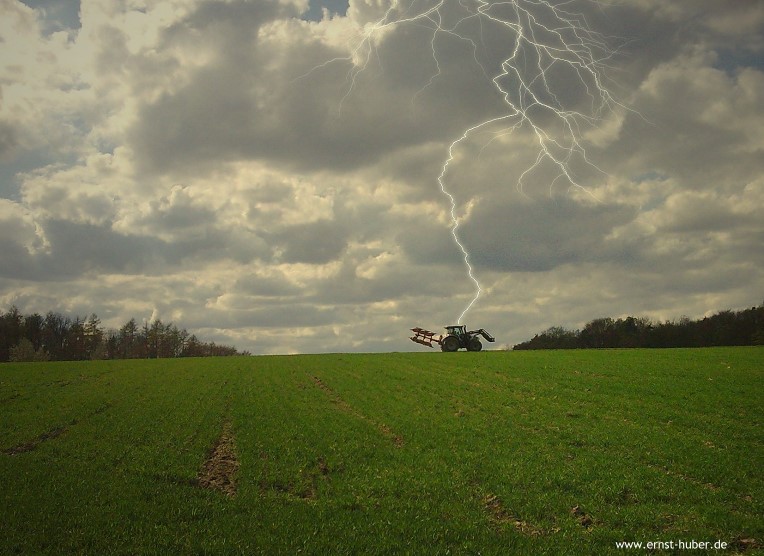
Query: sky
[[265, 174]]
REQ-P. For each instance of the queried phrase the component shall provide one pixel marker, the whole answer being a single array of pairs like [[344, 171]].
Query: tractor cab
[[458, 330]]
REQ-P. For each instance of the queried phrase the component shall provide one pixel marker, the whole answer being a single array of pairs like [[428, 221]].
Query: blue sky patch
[[315, 11]]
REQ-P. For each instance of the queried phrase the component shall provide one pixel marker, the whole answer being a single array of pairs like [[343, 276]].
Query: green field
[[546, 452]]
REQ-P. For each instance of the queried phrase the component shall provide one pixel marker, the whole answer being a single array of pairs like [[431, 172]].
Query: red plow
[[425, 337]]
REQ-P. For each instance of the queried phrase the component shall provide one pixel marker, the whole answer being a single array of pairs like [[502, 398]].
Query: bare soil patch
[[500, 515], [10, 398], [742, 545], [304, 486], [221, 466], [583, 518]]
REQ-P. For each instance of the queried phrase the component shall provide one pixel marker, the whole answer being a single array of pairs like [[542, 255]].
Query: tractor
[[456, 337]]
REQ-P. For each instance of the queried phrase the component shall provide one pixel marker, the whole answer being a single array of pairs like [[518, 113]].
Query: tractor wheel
[[474, 344], [450, 343]]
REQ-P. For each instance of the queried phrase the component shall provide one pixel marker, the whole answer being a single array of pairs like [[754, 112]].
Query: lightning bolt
[[543, 39]]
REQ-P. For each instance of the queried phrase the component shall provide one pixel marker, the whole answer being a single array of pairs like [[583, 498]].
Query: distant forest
[[725, 328], [55, 337]]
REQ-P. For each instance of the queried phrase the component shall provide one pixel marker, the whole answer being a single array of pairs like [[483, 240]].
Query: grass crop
[[553, 452]]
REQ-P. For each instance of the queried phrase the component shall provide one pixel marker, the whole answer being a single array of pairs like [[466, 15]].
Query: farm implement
[[456, 337]]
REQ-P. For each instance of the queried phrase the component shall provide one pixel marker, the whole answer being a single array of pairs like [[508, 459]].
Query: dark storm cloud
[[195, 231], [265, 286], [16, 262], [683, 130], [701, 214], [177, 212], [314, 243], [8, 139], [248, 312], [234, 24], [82, 248], [77, 249], [428, 243], [543, 234], [302, 114], [348, 288]]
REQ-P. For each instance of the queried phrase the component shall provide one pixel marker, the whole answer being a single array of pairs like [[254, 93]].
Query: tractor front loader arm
[[484, 333]]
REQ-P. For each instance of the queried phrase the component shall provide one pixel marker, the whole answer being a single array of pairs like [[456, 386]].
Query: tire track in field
[[32, 444], [31, 390], [500, 515], [304, 486], [10, 398], [640, 459], [684, 477], [51, 433], [220, 469], [345, 407]]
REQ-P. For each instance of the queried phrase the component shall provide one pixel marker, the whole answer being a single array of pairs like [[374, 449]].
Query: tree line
[[725, 328], [56, 337]]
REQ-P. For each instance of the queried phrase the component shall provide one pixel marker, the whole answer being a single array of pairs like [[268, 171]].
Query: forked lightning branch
[[533, 53]]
